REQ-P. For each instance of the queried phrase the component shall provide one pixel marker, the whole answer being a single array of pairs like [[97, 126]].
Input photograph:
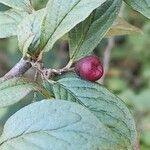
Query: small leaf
[[14, 90], [9, 21], [24, 5], [29, 31], [108, 108], [62, 16], [57, 125], [121, 27], [88, 34], [142, 6]]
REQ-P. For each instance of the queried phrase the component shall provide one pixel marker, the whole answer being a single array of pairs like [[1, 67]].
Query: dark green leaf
[[3, 7], [88, 34]]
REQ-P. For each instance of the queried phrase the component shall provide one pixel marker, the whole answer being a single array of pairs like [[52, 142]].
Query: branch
[[137, 145], [106, 57], [19, 69]]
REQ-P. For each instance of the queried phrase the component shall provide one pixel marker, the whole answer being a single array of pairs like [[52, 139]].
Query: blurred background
[[127, 64]]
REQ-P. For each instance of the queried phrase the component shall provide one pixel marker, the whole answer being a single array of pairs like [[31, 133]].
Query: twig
[[106, 57], [49, 72], [42, 72]]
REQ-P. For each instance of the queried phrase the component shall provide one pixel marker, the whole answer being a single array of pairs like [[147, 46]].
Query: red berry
[[89, 68]]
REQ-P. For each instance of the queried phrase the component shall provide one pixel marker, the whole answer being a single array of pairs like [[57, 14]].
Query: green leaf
[[14, 90], [88, 34], [3, 7], [121, 27], [56, 125], [24, 5], [107, 107], [6, 112], [142, 6], [29, 32], [62, 16], [9, 21]]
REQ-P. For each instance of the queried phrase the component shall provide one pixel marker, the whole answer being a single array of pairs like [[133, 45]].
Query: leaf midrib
[[60, 23]]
